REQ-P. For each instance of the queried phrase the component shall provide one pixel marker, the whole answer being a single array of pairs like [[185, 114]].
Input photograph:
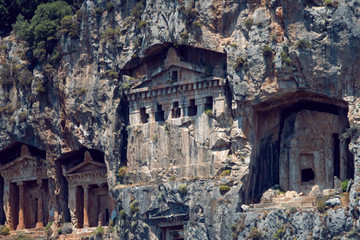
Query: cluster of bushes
[[249, 22], [331, 3], [183, 189], [110, 35], [285, 59], [190, 13], [238, 227], [240, 63], [4, 230], [11, 73], [303, 44], [137, 12], [40, 32], [10, 9]]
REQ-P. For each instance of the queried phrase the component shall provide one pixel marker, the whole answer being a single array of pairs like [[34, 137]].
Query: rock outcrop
[[284, 63]]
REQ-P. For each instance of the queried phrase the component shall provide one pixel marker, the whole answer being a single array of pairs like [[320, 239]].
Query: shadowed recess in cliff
[[156, 55], [297, 136], [123, 115]]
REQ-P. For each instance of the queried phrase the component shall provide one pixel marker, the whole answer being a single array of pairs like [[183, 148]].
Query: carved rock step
[[36, 234], [82, 234], [302, 202]]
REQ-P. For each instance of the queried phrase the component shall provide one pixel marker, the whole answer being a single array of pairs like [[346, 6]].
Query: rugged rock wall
[[274, 48]]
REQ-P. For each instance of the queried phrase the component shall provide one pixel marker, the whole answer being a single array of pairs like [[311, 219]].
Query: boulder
[[332, 202], [315, 191]]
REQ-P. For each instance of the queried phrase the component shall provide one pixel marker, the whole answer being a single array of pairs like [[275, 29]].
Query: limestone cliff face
[[278, 53]]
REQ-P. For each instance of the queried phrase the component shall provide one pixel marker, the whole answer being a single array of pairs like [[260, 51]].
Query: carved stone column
[[40, 223], [7, 200], [21, 224], [343, 159], [86, 206]]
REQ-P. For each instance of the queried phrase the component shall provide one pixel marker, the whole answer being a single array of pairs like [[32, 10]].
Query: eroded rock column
[[8, 200], [21, 224], [86, 206], [40, 223]]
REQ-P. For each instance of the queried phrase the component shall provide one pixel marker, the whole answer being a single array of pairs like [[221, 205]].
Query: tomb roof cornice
[[209, 81], [91, 162], [22, 159], [97, 176]]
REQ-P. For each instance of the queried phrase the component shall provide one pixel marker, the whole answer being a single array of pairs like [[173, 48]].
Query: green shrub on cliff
[[344, 185], [267, 51], [285, 59], [303, 44], [225, 172], [224, 189], [122, 171], [280, 233], [183, 188], [255, 234], [320, 204], [249, 22], [4, 230], [39, 32], [99, 231], [48, 230], [240, 62], [134, 207]]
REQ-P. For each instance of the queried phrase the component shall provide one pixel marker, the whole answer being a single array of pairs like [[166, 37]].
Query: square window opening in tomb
[[307, 176], [174, 76], [173, 233], [143, 115], [209, 103], [192, 109], [159, 114], [176, 111]]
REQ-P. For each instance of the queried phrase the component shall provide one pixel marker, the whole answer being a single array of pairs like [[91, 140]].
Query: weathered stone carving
[[172, 114], [89, 200], [26, 191], [307, 151], [169, 218], [177, 85], [299, 144]]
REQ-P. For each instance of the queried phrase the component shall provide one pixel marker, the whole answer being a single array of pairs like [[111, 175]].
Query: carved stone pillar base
[[39, 225], [20, 226]]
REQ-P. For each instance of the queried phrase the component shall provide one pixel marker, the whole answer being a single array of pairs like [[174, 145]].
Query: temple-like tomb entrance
[[172, 231], [300, 144], [168, 222], [26, 191], [175, 88], [89, 200], [311, 152], [177, 96]]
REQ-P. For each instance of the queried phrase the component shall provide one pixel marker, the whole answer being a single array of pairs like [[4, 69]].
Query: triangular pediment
[[87, 167], [24, 168], [23, 162], [171, 63]]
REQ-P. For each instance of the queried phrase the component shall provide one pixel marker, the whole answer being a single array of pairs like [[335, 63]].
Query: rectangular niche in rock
[[298, 144], [168, 220], [176, 111], [174, 76], [173, 232], [209, 103], [192, 109], [89, 200], [26, 196], [143, 115], [159, 114]]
